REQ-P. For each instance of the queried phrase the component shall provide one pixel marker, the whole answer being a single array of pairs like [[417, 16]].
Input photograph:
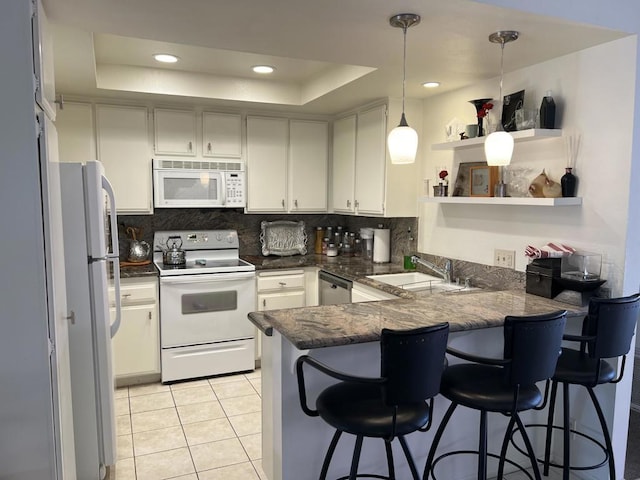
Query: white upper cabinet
[[267, 145], [43, 68], [123, 148], [76, 137], [344, 160], [221, 135], [308, 159], [370, 161], [175, 132]]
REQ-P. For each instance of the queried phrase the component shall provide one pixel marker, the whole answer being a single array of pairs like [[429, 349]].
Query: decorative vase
[[568, 183], [478, 103]]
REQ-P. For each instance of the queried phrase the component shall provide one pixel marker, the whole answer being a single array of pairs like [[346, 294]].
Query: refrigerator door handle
[[114, 256]]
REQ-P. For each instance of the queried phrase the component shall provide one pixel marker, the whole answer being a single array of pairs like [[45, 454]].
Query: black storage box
[[542, 277]]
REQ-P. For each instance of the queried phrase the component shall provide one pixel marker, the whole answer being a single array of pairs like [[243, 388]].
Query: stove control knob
[[218, 236], [230, 239]]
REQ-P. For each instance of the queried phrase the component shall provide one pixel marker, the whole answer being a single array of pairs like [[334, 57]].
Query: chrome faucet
[[445, 272]]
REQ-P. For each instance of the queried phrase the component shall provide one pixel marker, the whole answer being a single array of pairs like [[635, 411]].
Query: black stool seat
[[577, 368], [483, 387], [506, 385], [388, 407], [360, 410]]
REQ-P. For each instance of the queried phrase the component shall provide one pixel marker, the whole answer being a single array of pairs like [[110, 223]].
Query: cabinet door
[[136, 346], [221, 135], [76, 139], [123, 148], [370, 161], [175, 132], [344, 159], [43, 61], [267, 141], [274, 301], [308, 159]]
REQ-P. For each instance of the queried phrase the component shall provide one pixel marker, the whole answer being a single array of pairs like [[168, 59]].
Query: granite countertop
[[132, 271], [334, 325]]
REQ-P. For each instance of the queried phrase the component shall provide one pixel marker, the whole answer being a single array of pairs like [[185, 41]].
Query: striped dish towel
[[550, 250]]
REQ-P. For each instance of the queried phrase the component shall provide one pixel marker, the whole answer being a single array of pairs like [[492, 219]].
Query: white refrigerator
[[91, 257]]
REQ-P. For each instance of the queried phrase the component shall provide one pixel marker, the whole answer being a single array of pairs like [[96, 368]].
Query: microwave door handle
[[223, 188]]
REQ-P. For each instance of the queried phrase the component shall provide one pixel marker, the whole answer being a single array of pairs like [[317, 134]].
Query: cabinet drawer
[[275, 301], [281, 282], [134, 294]]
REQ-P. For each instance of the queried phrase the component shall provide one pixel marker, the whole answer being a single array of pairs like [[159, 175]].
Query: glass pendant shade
[[498, 149], [403, 144]]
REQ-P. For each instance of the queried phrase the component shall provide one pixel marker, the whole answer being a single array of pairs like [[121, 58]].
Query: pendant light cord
[[404, 65], [500, 128]]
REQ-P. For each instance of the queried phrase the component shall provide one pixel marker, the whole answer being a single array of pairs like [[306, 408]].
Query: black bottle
[[568, 183], [548, 112]]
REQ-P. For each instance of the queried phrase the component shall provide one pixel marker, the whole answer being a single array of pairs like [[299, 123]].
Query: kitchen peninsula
[[345, 337]]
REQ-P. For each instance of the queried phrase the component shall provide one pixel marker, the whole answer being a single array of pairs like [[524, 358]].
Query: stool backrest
[[412, 361], [533, 344], [612, 321]]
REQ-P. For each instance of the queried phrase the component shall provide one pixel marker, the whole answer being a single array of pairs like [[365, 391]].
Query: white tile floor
[[201, 430]]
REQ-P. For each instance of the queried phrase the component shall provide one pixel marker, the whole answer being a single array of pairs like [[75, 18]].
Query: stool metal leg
[[327, 457], [505, 444], [407, 453], [392, 470], [605, 432], [356, 458], [527, 442], [547, 444], [482, 447], [436, 440], [566, 468]]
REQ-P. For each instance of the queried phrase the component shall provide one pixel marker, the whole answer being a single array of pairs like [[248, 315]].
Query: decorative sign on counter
[[283, 238]]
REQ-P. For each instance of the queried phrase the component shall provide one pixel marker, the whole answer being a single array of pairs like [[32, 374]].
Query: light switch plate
[[504, 258]]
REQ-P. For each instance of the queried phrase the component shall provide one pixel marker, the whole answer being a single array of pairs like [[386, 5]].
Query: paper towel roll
[[381, 245]]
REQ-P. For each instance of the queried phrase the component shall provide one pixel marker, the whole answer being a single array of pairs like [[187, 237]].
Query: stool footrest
[[474, 452], [575, 432]]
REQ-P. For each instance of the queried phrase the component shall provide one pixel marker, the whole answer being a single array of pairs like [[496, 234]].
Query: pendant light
[[498, 146], [403, 140]]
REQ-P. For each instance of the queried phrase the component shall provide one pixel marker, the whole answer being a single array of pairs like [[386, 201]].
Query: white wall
[[595, 91]]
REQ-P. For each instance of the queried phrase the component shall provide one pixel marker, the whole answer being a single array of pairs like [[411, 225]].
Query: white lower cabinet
[[279, 289], [136, 345]]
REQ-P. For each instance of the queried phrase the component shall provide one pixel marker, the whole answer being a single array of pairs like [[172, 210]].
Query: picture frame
[[482, 180], [462, 184]]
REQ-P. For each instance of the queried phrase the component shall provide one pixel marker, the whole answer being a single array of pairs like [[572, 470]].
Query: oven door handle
[[218, 277]]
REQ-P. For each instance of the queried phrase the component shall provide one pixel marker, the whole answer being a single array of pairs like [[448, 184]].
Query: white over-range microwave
[[198, 184]]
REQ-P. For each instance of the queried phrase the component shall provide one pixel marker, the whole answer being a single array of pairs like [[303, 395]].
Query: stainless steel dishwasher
[[334, 290]]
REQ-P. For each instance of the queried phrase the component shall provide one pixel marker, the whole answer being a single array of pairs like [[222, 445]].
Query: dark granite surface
[[138, 271]]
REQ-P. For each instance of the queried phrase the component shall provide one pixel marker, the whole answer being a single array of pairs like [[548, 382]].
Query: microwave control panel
[[235, 188]]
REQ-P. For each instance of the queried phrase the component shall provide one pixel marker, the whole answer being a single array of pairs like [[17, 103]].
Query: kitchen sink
[[421, 282], [408, 280]]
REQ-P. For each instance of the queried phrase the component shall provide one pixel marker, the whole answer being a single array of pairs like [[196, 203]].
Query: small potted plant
[[442, 189]]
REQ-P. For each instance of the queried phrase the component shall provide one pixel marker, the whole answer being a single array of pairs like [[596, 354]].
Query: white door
[[57, 300], [267, 140], [76, 136], [344, 159], [123, 149], [308, 162], [175, 132], [221, 135], [370, 161]]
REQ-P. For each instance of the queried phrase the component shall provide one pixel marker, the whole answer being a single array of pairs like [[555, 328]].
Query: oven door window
[[209, 302]]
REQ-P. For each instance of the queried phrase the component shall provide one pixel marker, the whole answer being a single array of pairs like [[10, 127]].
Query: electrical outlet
[[504, 258]]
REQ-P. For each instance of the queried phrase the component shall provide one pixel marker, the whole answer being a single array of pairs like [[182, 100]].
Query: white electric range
[[204, 303]]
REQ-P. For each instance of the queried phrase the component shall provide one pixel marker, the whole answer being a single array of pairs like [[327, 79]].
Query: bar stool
[[607, 331], [508, 385], [396, 404]]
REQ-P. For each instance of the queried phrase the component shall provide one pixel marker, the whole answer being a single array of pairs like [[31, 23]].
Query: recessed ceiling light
[[165, 58], [431, 84], [262, 69]]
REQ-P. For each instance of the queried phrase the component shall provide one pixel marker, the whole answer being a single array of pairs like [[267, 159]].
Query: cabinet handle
[[209, 147], [125, 296], [282, 284], [283, 203], [71, 317], [357, 204], [149, 315], [295, 203], [190, 147], [264, 302], [348, 203]]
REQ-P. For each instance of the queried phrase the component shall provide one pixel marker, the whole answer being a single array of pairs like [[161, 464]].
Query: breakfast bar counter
[[345, 337]]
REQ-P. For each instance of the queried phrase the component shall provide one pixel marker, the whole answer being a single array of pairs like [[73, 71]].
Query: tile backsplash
[[403, 230]]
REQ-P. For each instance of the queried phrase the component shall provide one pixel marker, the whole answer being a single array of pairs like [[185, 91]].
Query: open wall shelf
[[518, 137], [537, 202]]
